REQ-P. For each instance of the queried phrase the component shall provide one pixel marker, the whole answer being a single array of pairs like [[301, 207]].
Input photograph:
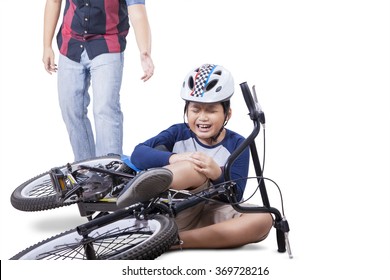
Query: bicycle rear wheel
[[128, 238], [38, 193]]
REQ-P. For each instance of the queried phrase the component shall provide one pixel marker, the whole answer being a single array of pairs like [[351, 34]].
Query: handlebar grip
[[250, 103], [281, 241]]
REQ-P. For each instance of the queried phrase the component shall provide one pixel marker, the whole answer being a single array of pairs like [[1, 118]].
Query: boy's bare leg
[[248, 228], [184, 176]]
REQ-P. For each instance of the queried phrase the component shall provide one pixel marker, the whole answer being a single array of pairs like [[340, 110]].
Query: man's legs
[[73, 84], [106, 73]]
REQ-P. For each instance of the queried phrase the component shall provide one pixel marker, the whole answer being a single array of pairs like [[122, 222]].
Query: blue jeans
[[74, 79]]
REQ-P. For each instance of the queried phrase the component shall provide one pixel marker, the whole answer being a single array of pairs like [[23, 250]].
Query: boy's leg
[[185, 177], [106, 74], [218, 225], [248, 228], [73, 83], [149, 183]]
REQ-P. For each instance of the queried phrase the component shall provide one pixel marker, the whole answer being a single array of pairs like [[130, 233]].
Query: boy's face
[[205, 120]]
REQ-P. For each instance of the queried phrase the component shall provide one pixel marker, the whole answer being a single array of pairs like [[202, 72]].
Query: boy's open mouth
[[203, 126]]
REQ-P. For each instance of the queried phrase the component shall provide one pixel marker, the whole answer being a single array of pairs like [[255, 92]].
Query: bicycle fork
[[89, 250], [85, 229]]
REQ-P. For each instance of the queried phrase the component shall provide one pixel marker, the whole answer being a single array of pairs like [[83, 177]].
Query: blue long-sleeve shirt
[[178, 138]]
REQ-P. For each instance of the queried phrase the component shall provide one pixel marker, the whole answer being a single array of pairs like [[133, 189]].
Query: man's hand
[[147, 66], [48, 61]]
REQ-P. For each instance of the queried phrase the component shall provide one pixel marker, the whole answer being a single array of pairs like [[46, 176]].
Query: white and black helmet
[[208, 83]]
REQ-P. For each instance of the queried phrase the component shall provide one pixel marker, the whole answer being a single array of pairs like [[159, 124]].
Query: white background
[[321, 70]]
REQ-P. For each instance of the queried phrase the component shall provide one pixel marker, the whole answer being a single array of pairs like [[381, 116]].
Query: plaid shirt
[[98, 26]]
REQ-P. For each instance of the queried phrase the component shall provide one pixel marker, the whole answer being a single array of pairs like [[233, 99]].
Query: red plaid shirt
[[98, 26]]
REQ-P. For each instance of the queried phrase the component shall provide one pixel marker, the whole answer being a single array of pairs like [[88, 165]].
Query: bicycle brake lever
[[258, 107]]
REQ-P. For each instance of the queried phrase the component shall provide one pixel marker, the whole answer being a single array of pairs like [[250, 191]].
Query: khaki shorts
[[205, 213]]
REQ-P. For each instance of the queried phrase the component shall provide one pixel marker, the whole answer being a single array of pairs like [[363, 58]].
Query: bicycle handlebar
[[250, 103], [255, 111], [254, 115], [257, 115]]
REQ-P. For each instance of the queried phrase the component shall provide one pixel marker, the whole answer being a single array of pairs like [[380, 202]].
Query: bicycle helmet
[[208, 83]]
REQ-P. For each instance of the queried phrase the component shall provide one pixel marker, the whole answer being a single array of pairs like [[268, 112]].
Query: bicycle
[[144, 230]]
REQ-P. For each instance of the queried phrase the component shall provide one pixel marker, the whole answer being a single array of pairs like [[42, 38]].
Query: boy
[[190, 156]]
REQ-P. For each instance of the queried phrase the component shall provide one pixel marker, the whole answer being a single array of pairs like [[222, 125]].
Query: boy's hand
[[203, 163], [206, 165], [48, 61], [180, 157]]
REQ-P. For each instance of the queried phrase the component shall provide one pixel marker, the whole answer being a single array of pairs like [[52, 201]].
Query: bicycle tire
[[126, 239], [38, 194]]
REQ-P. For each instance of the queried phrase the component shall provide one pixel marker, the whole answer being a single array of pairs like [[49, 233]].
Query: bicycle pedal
[[57, 178]]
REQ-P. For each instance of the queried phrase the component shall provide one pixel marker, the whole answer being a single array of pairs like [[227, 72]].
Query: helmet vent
[[219, 73], [191, 83], [211, 84]]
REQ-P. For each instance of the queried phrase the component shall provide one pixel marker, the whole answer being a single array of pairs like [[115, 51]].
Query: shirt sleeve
[[133, 2], [156, 151]]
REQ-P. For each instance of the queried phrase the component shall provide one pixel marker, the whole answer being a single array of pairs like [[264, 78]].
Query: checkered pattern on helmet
[[201, 79]]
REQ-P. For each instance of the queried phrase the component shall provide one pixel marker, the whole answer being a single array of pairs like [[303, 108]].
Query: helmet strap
[[215, 137]]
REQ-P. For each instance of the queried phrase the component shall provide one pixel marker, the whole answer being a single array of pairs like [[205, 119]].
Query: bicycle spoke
[[64, 251], [42, 190], [105, 245]]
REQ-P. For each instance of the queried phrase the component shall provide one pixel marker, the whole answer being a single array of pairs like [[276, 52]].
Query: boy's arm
[[52, 13], [140, 24], [156, 151], [145, 156]]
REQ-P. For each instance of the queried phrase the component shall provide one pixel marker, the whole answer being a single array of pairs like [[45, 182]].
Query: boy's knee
[[267, 223], [262, 223], [185, 176]]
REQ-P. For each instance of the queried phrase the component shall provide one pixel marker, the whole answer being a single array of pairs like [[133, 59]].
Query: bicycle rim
[[38, 193], [124, 239]]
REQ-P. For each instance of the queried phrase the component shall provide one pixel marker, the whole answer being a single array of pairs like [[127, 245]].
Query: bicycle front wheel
[[128, 238], [38, 193]]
